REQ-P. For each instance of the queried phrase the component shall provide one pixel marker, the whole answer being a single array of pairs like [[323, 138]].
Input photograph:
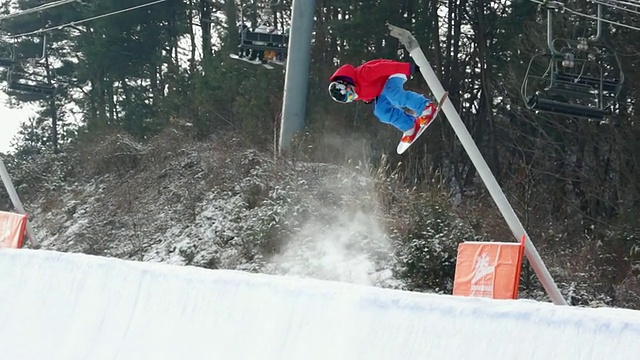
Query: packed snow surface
[[73, 306]]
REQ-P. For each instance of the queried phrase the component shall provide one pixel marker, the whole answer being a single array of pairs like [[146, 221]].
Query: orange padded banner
[[490, 270], [12, 228]]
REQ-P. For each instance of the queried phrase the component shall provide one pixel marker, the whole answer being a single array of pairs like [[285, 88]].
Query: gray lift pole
[[409, 41], [296, 82]]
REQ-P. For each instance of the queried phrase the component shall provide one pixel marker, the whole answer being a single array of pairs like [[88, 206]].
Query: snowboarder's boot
[[427, 114]]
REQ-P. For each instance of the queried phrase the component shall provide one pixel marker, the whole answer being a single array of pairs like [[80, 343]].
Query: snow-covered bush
[[45, 171], [426, 250], [218, 206]]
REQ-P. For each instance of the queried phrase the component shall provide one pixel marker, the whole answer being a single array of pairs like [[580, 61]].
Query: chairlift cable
[[59, 27], [575, 12], [592, 17], [634, 3], [617, 7], [43, 7]]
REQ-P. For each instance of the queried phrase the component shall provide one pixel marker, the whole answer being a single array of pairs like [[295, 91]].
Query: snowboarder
[[382, 81]]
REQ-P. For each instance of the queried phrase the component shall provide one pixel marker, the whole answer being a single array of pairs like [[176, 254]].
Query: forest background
[[147, 97]]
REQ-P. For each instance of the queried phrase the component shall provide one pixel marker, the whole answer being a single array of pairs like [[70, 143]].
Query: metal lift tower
[[296, 82]]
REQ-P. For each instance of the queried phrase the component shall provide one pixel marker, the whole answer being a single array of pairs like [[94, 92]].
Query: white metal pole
[[409, 41], [15, 199]]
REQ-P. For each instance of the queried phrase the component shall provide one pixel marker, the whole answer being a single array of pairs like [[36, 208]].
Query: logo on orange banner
[[490, 270], [12, 228]]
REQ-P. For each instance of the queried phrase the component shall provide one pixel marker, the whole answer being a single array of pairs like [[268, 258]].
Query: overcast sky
[[10, 120]]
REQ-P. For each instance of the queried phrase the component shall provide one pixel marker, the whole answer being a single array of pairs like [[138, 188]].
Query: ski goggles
[[342, 93], [350, 94]]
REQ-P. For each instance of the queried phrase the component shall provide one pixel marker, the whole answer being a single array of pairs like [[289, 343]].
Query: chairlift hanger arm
[[599, 24], [553, 50], [555, 5]]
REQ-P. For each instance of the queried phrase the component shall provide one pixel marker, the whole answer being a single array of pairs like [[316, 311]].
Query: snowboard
[[254, 62], [403, 146]]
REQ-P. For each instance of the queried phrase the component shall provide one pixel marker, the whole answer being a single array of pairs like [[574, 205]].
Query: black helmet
[[341, 91]]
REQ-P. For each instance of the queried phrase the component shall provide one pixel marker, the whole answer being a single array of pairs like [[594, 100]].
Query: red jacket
[[370, 77]]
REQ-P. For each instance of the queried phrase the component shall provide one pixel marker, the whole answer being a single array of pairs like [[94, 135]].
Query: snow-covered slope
[[71, 306]]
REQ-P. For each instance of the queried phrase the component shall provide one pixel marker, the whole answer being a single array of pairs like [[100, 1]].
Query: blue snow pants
[[390, 104]]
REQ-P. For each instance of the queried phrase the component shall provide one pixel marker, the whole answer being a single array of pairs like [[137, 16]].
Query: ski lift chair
[[273, 46], [262, 43], [43, 90], [29, 84], [580, 78], [571, 86], [541, 102]]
